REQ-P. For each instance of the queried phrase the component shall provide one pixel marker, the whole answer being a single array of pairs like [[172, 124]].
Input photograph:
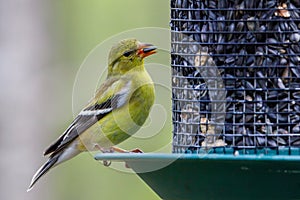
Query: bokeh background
[[42, 46]]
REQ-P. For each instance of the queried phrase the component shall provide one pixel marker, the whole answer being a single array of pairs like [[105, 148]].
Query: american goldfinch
[[119, 108]]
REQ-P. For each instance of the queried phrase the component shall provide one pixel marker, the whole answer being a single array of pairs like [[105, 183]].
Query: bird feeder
[[236, 102]]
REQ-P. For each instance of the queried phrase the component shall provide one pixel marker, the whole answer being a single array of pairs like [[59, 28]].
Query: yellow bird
[[119, 108]]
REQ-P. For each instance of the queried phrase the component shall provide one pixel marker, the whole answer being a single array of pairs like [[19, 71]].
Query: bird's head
[[127, 55]]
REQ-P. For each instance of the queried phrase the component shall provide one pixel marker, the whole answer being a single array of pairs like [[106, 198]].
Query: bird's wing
[[114, 93]]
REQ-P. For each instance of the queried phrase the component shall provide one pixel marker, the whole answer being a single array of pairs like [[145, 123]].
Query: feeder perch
[[236, 103]]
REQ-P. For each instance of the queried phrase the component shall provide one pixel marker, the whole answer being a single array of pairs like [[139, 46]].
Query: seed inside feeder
[[252, 100]]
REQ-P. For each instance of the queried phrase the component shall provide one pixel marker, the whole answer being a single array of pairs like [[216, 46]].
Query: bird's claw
[[119, 150], [106, 163], [137, 150]]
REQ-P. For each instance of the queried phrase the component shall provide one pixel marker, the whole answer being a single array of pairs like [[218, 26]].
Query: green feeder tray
[[216, 176]]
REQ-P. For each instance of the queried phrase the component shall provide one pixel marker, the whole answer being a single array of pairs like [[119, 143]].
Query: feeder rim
[[177, 156]]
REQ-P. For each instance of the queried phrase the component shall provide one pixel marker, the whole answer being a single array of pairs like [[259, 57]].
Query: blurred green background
[[42, 45]]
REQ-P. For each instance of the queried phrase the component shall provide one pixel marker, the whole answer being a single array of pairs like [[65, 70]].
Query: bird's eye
[[127, 53]]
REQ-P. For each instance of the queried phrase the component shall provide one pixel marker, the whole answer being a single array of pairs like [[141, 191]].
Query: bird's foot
[[136, 150], [119, 150], [106, 163], [103, 150]]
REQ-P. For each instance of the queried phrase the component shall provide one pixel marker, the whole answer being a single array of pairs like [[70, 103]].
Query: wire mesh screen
[[236, 75]]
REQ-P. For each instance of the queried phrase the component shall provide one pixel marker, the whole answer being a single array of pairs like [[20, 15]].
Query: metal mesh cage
[[236, 75]]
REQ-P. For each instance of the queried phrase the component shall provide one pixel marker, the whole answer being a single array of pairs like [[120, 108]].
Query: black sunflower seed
[[236, 73]]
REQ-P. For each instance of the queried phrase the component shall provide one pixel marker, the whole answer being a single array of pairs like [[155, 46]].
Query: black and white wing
[[93, 112]]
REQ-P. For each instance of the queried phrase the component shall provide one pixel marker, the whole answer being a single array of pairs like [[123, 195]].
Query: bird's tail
[[54, 159], [43, 170]]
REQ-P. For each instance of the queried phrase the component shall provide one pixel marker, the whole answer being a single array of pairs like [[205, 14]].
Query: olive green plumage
[[119, 108]]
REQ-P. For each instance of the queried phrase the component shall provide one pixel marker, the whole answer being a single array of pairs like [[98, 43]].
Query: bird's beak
[[145, 50]]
